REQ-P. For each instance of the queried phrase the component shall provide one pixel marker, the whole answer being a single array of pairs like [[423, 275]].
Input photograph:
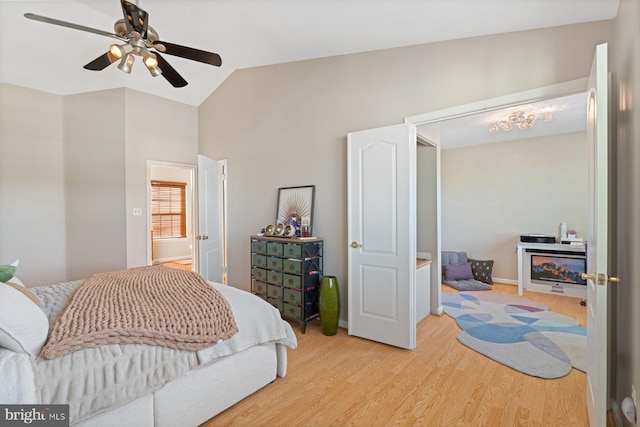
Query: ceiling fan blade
[[135, 18], [192, 53], [101, 62], [71, 25], [169, 73]]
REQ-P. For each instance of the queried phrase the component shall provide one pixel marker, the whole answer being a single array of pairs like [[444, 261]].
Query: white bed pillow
[[23, 325]]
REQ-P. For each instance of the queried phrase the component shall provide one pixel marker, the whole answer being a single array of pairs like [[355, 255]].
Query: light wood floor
[[183, 265], [349, 381]]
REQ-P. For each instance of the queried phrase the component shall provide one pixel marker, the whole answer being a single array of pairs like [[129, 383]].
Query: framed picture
[[295, 205]]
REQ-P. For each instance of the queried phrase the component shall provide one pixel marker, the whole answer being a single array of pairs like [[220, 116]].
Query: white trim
[[225, 220], [504, 281], [546, 92], [191, 220]]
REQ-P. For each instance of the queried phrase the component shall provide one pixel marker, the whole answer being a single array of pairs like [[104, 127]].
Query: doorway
[[430, 125], [178, 249]]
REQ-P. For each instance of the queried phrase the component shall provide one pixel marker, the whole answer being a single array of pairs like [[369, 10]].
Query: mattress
[[95, 379]]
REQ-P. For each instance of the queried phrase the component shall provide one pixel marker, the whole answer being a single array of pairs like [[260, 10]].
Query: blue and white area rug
[[519, 333]]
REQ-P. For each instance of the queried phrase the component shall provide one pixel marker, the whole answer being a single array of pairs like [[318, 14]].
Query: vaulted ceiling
[[250, 33]]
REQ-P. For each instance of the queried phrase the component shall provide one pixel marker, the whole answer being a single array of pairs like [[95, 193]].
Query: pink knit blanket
[[145, 305]]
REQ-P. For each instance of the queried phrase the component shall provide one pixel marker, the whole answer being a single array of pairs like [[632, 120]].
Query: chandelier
[[519, 119]]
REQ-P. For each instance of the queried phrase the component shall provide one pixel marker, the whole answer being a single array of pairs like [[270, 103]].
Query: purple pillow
[[458, 272]]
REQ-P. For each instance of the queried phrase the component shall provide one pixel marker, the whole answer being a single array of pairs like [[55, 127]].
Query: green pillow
[[7, 272]]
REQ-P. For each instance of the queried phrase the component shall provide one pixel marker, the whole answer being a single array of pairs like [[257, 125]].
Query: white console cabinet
[[524, 268]]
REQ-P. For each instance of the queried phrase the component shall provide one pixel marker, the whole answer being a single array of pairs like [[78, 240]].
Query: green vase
[[329, 305]]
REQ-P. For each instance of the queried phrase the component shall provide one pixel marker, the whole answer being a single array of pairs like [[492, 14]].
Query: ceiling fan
[[138, 39]]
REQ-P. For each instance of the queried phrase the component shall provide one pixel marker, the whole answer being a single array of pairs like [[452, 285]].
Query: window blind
[[168, 209]]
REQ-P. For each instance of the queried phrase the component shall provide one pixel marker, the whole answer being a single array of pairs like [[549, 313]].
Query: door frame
[[435, 292], [553, 91], [193, 205]]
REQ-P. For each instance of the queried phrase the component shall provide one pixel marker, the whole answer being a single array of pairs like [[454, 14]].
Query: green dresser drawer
[[292, 296], [274, 263], [259, 273], [274, 248], [258, 287], [259, 260], [291, 250], [307, 281], [291, 281], [277, 303], [274, 277], [292, 311], [296, 266], [259, 246], [292, 266], [274, 291]]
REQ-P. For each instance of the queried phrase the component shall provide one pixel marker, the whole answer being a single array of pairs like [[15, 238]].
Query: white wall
[[32, 226], [426, 209], [286, 124], [493, 193], [56, 151], [156, 129], [94, 171]]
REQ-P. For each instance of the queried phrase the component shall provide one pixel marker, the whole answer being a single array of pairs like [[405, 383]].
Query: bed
[[137, 384]]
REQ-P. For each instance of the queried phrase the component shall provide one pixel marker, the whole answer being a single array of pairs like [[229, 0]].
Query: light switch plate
[[137, 211]]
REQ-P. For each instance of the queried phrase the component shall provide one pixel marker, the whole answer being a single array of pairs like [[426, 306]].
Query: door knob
[[602, 278], [355, 245], [591, 276]]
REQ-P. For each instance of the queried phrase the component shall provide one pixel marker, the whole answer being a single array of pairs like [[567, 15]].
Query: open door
[[598, 238], [381, 206], [210, 220]]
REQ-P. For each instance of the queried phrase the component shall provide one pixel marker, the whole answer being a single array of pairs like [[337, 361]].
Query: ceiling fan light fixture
[[150, 60], [126, 63], [136, 37], [155, 72], [120, 50], [120, 27]]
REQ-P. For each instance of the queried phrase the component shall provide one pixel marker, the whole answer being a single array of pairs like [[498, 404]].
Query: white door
[[381, 205], [210, 221], [597, 238]]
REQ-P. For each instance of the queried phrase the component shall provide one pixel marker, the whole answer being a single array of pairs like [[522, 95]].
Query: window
[[168, 209]]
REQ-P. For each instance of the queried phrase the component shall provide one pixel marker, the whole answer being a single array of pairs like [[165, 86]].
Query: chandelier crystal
[[520, 120]]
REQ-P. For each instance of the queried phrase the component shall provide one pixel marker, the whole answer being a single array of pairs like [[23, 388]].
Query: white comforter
[[95, 379]]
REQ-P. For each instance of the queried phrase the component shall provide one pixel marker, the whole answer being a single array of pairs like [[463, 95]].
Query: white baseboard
[[505, 281]]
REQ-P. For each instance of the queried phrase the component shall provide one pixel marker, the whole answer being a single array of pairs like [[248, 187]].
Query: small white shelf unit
[[524, 268]]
